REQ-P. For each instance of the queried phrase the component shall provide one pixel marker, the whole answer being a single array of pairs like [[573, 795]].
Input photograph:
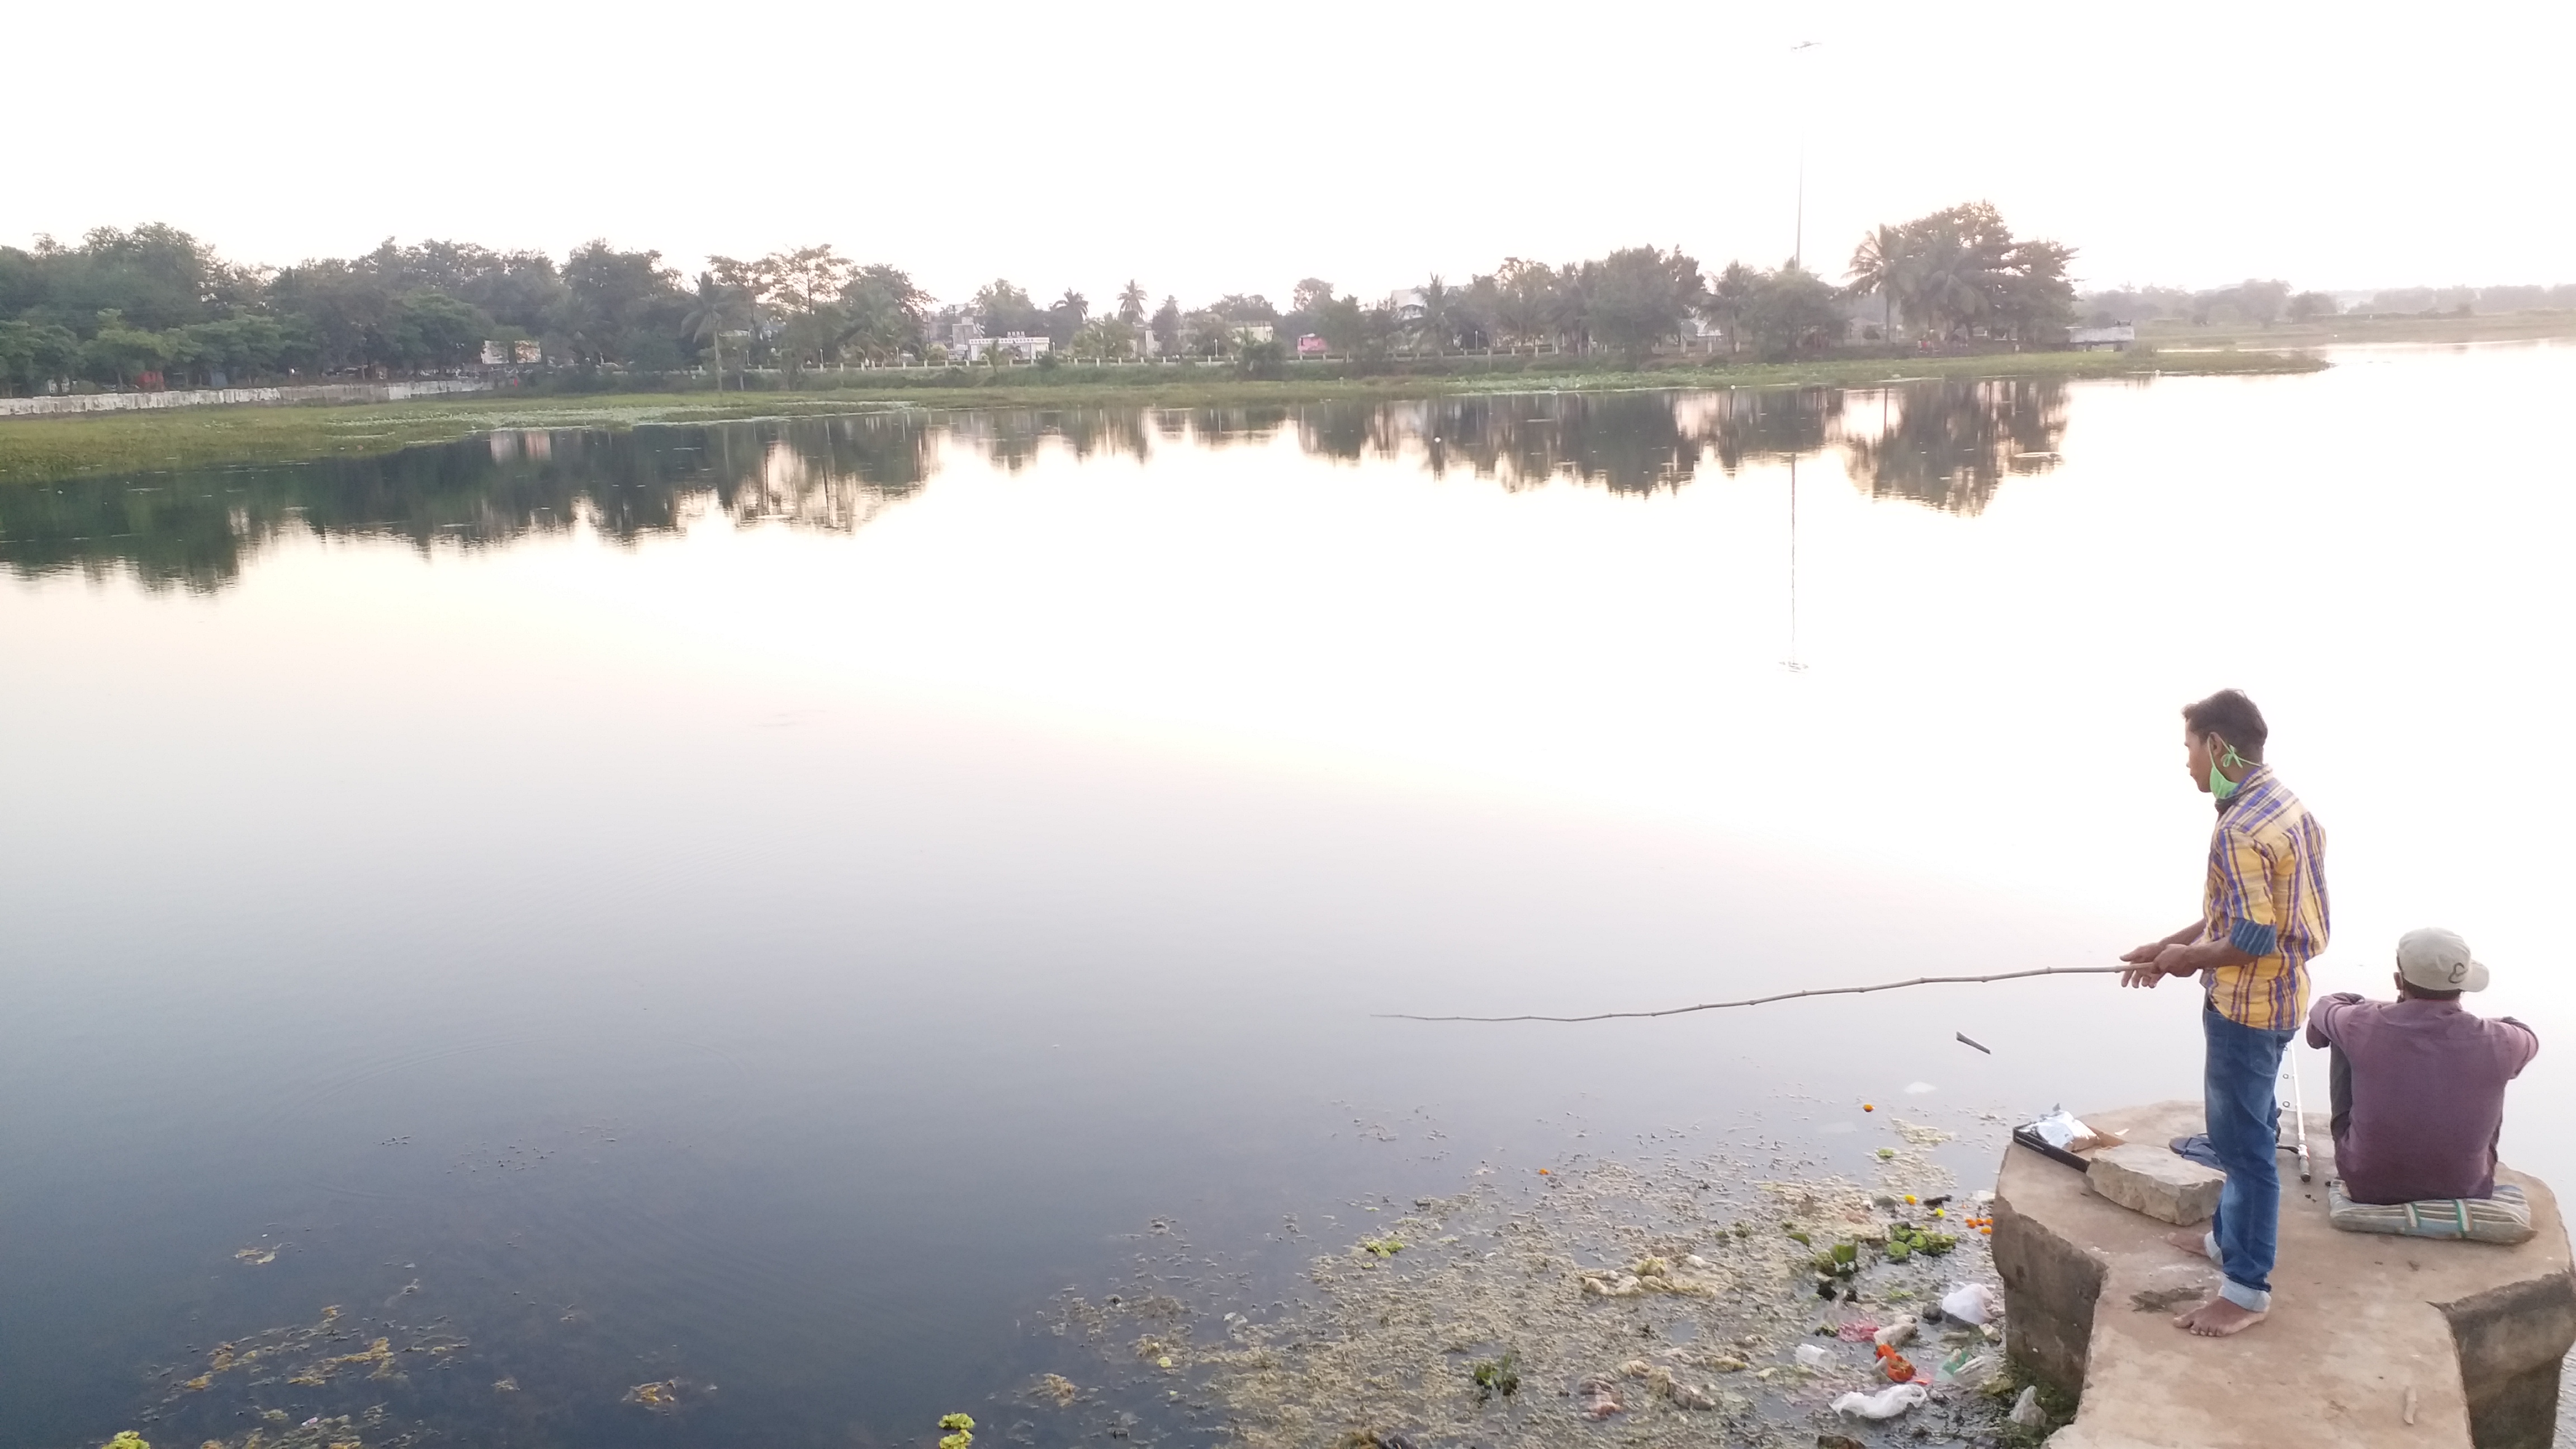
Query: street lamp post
[[1798, 241]]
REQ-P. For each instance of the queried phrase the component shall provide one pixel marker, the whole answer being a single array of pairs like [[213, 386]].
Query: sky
[[1207, 149]]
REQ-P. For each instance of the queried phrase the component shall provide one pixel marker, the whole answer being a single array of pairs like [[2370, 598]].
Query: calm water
[[769, 906]]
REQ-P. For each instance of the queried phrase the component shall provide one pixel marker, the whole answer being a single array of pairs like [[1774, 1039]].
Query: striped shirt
[[2267, 898]]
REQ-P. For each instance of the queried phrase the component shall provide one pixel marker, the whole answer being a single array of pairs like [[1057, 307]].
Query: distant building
[[1248, 333], [496, 354], [1020, 345], [953, 333], [1310, 345], [2114, 338], [1408, 305]]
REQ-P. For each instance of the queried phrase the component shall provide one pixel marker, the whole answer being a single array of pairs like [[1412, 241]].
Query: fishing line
[[1783, 996]]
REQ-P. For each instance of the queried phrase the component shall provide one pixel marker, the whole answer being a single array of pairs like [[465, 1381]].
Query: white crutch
[[2298, 1142]]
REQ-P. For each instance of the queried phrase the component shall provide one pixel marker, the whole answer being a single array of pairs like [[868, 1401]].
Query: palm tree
[[1954, 285], [1883, 263], [1569, 305], [1725, 301], [1131, 303], [1522, 308], [1439, 305], [708, 312]]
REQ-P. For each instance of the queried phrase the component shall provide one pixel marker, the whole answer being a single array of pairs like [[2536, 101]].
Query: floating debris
[[257, 1254], [1058, 1388], [661, 1396], [1562, 1283]]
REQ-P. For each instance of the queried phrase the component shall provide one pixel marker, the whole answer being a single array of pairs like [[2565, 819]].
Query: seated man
[[2419, 1082]]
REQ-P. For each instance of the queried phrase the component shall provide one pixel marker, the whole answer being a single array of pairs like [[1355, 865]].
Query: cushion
[[2503, 1218]]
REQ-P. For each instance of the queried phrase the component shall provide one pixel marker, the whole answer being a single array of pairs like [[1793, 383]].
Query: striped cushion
[[2503, 1218]]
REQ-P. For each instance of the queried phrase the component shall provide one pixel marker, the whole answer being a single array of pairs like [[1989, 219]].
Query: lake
[[770, 910]]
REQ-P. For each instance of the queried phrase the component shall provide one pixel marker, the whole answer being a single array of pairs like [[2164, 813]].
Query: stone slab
[[2147, 1177], [2475, 1330]]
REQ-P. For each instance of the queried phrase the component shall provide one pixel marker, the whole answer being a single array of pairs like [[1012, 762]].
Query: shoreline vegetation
[[2362, 330], [37, 450]]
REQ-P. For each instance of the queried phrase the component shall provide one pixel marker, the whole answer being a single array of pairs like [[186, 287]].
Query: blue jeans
[[2240, 1084]]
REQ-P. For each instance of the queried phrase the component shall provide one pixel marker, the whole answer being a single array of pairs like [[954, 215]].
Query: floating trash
[[1056, 1387], [1674, 1297], [1887, 1403]]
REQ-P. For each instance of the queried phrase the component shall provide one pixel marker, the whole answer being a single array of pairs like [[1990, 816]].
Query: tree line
[[2259, 302], [125, 308]]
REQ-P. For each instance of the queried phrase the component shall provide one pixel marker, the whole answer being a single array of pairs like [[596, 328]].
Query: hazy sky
[[1211, 148]]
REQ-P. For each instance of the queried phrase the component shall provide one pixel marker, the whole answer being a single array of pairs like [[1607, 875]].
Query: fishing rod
[[1783, 996]]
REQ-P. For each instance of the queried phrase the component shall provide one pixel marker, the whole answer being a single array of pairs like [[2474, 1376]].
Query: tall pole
[[1798, 236]]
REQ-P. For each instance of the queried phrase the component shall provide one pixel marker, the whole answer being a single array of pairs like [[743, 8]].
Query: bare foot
[[2196, 1244], [2218, 1318]]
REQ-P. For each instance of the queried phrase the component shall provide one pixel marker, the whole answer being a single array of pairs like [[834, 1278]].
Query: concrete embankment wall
[[332, 392]]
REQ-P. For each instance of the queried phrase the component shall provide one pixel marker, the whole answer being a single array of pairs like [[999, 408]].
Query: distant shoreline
[[43, 449], [2362, 330]]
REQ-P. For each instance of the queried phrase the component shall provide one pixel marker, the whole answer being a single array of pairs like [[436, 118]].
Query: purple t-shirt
[[2427, 1094]]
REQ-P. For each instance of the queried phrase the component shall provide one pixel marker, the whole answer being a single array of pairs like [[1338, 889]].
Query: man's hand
[[2176, 955], [2151, 964], [2143, 970]]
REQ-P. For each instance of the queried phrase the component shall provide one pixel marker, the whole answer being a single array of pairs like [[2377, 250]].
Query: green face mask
[[2220, 785]]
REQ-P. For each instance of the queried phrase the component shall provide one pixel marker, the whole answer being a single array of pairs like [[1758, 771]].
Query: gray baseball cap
[[2438, 960]]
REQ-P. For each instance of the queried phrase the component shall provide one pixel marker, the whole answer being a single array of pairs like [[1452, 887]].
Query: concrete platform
[[2476, 1330]]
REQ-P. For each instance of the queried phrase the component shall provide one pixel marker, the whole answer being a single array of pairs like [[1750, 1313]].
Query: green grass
[[46, 448]]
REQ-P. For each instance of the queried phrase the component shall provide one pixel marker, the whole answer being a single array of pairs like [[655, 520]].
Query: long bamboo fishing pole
[[1783, 996]]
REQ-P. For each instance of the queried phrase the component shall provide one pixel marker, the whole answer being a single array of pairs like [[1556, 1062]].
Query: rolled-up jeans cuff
[[2252, 1300], [2209, 1245]]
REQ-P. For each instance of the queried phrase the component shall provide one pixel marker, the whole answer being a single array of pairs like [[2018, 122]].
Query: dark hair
[[2232, 717]]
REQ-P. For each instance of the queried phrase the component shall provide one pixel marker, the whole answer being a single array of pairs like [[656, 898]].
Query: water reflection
[[1950, 443], [1947, 445]]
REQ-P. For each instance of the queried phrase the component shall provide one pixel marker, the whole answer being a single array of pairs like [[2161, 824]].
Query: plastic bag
[[1813, 1355], [1596, 1398], [1971, 1304], [2026, 1410], [1887, 1403], [2065, 1131], [1964, 1370], [1895, 1335]]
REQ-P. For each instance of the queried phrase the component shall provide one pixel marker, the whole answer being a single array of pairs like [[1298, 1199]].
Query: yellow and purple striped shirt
[[2267, 898]]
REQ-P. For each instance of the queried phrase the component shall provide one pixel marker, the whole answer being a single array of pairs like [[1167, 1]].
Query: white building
[[1018, 344]]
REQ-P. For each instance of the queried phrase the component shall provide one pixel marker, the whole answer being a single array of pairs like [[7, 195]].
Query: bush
[[1262, 359]]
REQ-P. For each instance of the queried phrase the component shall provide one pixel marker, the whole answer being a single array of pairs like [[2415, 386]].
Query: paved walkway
[[2355, 1328]]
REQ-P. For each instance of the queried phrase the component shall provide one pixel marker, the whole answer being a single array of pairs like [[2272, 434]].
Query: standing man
[[2262, 919]]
